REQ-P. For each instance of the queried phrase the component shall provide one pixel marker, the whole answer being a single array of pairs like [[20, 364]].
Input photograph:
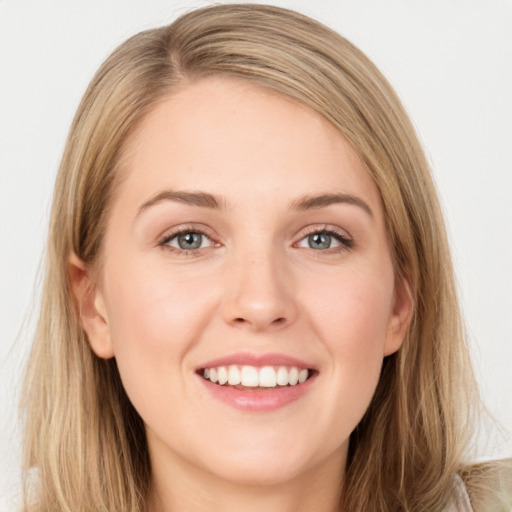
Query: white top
[[460, 501]]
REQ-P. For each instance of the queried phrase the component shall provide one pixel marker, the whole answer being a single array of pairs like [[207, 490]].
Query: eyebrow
[[206, 200], [313, 202], [202, 199]]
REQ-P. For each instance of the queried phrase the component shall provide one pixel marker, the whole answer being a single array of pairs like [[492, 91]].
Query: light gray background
[[451, 63]]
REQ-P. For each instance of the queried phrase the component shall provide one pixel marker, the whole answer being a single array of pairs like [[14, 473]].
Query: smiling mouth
[[253, 378]]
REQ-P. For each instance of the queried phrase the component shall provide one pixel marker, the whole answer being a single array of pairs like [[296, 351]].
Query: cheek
[[155, 317], [351, 319], [153, 306], [352, 310]]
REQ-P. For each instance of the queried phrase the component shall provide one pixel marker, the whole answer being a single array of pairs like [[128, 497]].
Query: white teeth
[[282, 376], [267, 377], [233, 376], [222, 375], [293, 376], [251, 376]]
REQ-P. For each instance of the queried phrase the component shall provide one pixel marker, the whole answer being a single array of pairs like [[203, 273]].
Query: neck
[[177, 485]]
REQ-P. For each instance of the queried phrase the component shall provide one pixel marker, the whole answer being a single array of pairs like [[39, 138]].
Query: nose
[[259, 293]]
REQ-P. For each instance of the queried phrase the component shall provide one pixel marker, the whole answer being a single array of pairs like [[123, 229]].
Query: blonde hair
[[82, 434]]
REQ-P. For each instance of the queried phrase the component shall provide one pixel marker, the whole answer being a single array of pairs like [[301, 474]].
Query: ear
[[90, 306], [401, 316]]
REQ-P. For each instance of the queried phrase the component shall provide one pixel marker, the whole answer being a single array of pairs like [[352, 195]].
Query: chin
[[259, 471], [260, 460]]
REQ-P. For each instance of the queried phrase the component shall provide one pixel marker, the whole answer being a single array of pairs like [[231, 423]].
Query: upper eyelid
[[170, 233], [164, 243], [324, 228], [343, 237], [175, 234], [202, 229]]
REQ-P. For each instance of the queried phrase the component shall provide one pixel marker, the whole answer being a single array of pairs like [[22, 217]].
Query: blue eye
[[325, 240], [320, 241], [188, 241]]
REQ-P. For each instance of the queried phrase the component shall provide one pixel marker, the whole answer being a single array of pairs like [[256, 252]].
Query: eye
[[323, 240], [187, 241]]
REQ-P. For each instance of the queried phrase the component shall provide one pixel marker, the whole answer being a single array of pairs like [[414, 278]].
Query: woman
[[249, 300]]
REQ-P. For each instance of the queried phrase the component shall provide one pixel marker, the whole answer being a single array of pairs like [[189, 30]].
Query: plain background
[[449, 60]]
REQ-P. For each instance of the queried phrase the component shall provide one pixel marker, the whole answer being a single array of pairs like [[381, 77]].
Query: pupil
[[319, 241], [189, 241]]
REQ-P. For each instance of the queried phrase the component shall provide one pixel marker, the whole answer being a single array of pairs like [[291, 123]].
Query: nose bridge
[[260, 291]]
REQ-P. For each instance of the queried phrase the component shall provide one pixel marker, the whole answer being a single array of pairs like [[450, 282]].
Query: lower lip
[[258, 400]]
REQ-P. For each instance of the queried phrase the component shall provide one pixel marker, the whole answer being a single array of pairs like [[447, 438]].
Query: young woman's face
[[247, 240]]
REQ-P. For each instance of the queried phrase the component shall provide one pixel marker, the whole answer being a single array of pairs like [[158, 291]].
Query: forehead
[[232, 138]]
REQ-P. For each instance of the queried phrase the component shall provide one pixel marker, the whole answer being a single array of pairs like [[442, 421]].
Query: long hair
[[83, 436]]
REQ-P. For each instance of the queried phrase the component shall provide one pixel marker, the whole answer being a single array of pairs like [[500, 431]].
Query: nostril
[[259, 325], [277, 321]]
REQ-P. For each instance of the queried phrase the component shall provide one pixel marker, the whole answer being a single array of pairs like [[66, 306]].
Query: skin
[[255, 285]]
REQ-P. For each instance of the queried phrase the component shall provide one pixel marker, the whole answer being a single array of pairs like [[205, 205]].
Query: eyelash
[[346, 243], [183, 231]]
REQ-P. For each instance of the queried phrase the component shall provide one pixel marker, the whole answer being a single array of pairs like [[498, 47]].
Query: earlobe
[[401, 316], [90, 307]]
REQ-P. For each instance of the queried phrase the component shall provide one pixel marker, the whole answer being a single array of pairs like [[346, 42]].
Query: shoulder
[[484, 487], [460, 501]]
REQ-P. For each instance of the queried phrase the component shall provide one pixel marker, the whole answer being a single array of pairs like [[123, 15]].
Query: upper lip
[[252, 359]]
